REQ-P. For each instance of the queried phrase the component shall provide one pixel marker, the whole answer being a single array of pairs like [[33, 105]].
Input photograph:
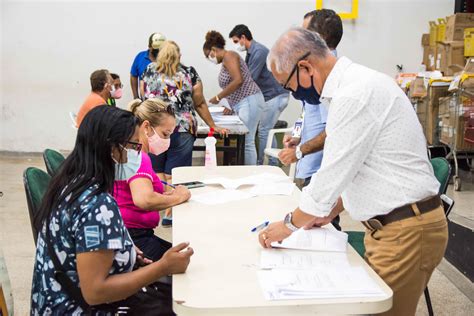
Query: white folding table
[[222, 276]]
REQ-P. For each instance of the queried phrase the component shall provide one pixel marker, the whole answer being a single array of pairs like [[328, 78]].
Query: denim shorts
[[180, 153]]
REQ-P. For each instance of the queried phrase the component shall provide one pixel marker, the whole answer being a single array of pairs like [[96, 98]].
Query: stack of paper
[[216, 109], [329, 282], [227, 120], [324, 272], [299, 259], [320, 239]]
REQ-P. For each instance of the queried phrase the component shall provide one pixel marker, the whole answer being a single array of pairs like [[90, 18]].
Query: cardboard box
[[469, 42], [453, 127], [417, 88], [426, 52], [446, 135], [425, 39], [441, 33], [422, 106], [421, 109], [434, 33], [434, 93], [456, 24], [449, 54], [444, 105], [432, 58], [469, 67], [458, 135]]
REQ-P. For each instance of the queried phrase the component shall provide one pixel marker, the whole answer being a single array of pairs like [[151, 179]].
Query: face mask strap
[[154, 131]]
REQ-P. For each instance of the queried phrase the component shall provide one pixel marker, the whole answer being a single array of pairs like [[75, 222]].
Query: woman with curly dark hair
[[242, 93]]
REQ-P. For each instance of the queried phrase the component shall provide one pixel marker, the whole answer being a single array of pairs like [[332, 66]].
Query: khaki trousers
[[405, 253]]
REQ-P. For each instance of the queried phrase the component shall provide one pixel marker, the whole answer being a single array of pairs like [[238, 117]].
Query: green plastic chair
[[442, 171], [36, 183], [356, 240], [53, 161]]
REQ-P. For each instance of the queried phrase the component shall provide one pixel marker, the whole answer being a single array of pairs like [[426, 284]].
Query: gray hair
[[292, 45]]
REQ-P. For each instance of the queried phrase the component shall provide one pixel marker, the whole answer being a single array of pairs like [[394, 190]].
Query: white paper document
[[263, 178], [220, 196], [327, 282], [320, 239], [227, 195], [301, 259], [216, 109], [227, 119], [284, 188]]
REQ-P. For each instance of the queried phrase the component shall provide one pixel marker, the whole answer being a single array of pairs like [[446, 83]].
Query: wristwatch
[[298, 152], [288, 222]]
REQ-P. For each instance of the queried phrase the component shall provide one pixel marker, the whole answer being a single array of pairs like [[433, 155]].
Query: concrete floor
[[16, 241]]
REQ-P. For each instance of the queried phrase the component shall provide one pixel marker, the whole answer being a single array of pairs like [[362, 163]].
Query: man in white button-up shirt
[[375, 166]]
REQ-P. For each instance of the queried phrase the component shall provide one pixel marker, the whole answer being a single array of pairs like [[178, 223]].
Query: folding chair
[[53, 161], [73, 117], [36, 183], [6, 297], [273, 152]]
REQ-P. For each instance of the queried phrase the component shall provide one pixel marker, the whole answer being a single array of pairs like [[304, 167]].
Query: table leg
[[241, 150], [227, 156]]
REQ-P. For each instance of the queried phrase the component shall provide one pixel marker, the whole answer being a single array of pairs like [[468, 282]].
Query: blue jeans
[[250, 111], [269, 118]]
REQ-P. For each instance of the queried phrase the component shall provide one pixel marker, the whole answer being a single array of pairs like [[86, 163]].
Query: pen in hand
[[166, 183], [260, 227]]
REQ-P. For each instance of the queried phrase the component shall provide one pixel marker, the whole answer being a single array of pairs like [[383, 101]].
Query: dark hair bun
[[215, 39]]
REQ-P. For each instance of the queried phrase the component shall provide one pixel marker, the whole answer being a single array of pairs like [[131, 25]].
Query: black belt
[[403, 212]]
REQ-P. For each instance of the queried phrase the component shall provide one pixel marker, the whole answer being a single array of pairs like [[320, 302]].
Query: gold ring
[[264, 237]]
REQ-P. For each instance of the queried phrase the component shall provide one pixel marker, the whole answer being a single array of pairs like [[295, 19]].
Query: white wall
[[49, 49]]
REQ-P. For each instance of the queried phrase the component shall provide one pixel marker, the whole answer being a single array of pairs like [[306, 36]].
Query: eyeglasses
[[295, 67], [134, 146]]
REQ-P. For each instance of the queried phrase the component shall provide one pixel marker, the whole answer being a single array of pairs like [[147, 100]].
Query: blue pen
[[166, 183], [260, 227]]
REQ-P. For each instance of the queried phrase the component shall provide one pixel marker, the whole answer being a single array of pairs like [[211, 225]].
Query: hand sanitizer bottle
[[210, 159]]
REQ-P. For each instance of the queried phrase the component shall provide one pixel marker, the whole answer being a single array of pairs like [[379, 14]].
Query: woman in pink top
[[140, 195]]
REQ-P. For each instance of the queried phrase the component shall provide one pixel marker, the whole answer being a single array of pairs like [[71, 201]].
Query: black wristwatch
[[288, 222]]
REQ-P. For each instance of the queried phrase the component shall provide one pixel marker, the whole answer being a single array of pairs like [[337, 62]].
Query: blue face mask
[[124, 171], [307, 95]]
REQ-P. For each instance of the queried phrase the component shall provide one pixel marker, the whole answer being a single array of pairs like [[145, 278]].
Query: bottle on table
[[210, 158]]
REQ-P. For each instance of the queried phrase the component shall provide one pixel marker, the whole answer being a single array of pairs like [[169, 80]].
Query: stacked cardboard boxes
[[444, 47], [456, 24], [446, 121], [450, 57], [454, 112], [436, 90]]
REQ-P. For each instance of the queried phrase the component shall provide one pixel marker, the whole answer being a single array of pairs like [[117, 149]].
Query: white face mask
[[239, 47], [213, 59]]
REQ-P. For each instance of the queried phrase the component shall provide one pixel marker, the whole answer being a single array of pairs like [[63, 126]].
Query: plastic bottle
[[210, 158]]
